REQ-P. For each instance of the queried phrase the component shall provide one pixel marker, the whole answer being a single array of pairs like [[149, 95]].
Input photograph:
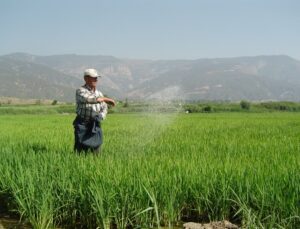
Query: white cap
[[91, 72]]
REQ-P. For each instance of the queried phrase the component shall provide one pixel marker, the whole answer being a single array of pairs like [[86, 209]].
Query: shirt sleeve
[[103, 106], [83, 96], [103, 110]]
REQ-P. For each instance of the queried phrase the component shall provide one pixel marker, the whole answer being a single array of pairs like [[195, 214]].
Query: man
[[91, 109]]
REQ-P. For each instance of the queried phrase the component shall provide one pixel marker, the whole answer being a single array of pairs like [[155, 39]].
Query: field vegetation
[[154, 170], [126, 106]]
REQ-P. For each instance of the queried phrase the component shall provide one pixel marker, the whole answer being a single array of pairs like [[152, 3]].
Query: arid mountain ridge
[[257, 78]]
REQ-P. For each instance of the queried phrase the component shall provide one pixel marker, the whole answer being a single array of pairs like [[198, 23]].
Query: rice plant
[[154, 170]]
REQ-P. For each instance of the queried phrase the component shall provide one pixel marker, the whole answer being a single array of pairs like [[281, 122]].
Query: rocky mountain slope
[[56, 77]]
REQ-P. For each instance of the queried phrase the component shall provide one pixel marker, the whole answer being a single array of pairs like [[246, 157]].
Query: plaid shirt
[[87, 106]]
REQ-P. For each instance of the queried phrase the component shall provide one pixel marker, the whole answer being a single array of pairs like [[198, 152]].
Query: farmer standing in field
[[91, 109]]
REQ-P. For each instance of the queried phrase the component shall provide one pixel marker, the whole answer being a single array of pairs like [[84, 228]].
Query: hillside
[[56, 77]]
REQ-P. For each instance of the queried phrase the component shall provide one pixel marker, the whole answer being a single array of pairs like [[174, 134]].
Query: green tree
[[207, 108], [245, 105], [126, 103]]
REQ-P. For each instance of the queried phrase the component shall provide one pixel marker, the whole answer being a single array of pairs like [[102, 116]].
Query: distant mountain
[[56, 77]]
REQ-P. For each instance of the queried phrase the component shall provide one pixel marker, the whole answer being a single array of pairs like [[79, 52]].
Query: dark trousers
[[80, 148], [82, 133]]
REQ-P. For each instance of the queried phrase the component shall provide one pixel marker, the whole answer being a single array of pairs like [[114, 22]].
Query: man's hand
[[106, 100]]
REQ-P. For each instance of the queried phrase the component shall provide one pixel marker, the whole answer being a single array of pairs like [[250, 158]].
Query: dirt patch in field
[[212, 225]]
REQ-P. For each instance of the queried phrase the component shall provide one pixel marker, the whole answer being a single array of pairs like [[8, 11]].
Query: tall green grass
[[154, 170]]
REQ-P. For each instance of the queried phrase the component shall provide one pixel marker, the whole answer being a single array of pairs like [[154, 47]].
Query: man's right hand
[[106, 100]]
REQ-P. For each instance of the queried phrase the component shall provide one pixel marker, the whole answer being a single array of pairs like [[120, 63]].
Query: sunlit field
[[154, 170]]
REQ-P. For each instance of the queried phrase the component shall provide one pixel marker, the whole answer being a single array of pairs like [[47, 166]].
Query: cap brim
[[93, 76]]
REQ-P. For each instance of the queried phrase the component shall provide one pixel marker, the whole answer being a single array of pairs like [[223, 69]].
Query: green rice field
[[155, 170]]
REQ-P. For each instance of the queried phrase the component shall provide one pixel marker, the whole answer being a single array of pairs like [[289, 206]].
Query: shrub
[[245, 105], [126, 104], [54, 102], [207, 108]]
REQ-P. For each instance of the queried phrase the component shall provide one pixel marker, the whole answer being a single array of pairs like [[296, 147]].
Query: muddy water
[[8, 223]]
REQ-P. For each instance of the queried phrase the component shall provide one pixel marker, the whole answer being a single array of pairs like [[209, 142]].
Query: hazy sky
[[151, 29]]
